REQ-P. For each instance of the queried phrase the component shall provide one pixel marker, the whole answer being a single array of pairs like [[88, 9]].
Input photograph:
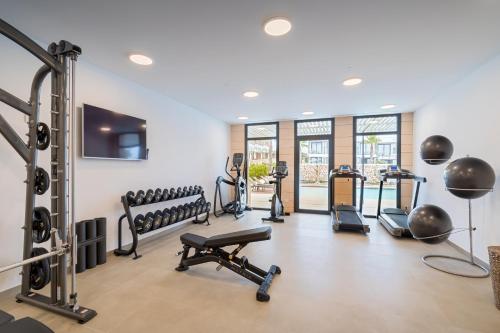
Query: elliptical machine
[[277, 208], [238, 206]]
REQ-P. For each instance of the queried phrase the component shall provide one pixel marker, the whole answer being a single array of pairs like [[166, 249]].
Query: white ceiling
[[207, 52]]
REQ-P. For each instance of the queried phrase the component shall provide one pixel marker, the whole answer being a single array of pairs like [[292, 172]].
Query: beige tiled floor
[[330, 283]]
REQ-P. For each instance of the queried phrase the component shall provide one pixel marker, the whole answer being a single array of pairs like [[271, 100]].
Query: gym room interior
[[250, 166]]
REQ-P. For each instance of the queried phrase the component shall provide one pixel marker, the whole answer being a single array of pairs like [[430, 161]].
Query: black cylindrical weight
[[148, 222], [149, 196], [166, 217], [139, 198]]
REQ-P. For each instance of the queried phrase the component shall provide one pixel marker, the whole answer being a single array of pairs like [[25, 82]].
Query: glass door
[[313, 161], [377, 147], [262, 154]]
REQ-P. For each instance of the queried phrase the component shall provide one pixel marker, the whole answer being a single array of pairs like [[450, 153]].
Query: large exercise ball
[[469, 177], [436, 149], [429, 221]]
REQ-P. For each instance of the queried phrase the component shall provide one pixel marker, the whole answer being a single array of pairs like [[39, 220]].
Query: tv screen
[[108, 134]]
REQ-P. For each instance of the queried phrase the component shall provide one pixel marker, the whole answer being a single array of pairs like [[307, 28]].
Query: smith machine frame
[[59, 61]]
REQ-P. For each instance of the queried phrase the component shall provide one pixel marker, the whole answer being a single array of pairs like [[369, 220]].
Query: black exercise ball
[[436, 149], [430, 221], [469, 177]]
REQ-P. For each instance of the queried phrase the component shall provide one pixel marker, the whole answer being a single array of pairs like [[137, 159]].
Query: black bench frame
[[238, 265]]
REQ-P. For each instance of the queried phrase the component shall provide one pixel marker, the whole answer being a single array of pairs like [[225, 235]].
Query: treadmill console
[[345, 168], [393, 169]]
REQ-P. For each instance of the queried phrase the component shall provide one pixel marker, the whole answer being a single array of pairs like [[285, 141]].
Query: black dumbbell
[[130, 196], [166, 217], [139, 198], [172, 194], [192, 206], [148, 221], [190, 191], [158, 195], [157, 219], [143, 223], [200, 190], [180, 213], [149, 196], [185, 191], [207, 209], [195, 190], [173, 215], [178, 194], [165, 195], [187, 211], [199, 208]]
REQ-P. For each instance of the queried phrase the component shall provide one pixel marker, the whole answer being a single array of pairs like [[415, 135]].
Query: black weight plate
[[42, 136], [41, 225], [42, 181], [39, 270]]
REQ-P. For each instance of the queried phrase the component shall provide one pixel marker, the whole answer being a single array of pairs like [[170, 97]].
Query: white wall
[[469, 115], [187, 147]]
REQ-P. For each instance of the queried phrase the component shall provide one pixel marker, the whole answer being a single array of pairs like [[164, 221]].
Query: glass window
[[316, 127], [261, 131], [377, 124]]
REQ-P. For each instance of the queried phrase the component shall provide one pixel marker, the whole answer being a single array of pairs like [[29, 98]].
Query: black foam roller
[[81, 263], [91, 249], [101, 245]]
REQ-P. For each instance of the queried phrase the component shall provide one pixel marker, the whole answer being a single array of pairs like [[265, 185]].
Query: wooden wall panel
[[407, 153], [343, 155]]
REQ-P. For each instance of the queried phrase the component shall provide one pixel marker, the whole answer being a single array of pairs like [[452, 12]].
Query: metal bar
[[15, 141], [36, 85], [470, 233], [15, 102], [24, 41], [31, 260], [55, 212], [72, 113]]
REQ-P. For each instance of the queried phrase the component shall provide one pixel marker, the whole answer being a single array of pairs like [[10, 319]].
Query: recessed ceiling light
[[251, 94], [105, 129], [277, 26], [242, 118], [388, 106], [140, 59], [307, 113], [352, 81]]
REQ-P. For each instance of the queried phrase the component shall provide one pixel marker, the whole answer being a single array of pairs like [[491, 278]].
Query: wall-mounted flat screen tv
[[108, 134]]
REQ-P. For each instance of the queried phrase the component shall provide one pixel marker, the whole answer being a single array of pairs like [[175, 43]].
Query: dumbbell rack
[[120, 251]]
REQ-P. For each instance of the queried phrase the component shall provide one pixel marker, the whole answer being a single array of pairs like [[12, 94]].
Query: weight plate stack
[[39, 270]]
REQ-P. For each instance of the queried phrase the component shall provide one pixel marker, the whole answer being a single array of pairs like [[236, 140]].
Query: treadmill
[[395, 220], [347, 217]]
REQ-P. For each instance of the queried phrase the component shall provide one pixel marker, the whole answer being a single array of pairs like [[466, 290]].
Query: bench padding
[[25, 325], [233, 238]]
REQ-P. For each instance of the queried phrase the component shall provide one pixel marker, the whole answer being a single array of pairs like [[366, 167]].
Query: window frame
[[398, 145]]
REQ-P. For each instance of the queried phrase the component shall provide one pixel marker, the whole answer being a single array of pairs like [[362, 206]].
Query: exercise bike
[[238, 206], [277, 208]]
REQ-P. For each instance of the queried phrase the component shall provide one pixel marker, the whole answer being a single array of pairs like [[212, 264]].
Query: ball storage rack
[[121, 251], [59, 60]]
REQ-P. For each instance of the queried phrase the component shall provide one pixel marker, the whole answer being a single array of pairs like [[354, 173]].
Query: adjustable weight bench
[[210, 250]]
